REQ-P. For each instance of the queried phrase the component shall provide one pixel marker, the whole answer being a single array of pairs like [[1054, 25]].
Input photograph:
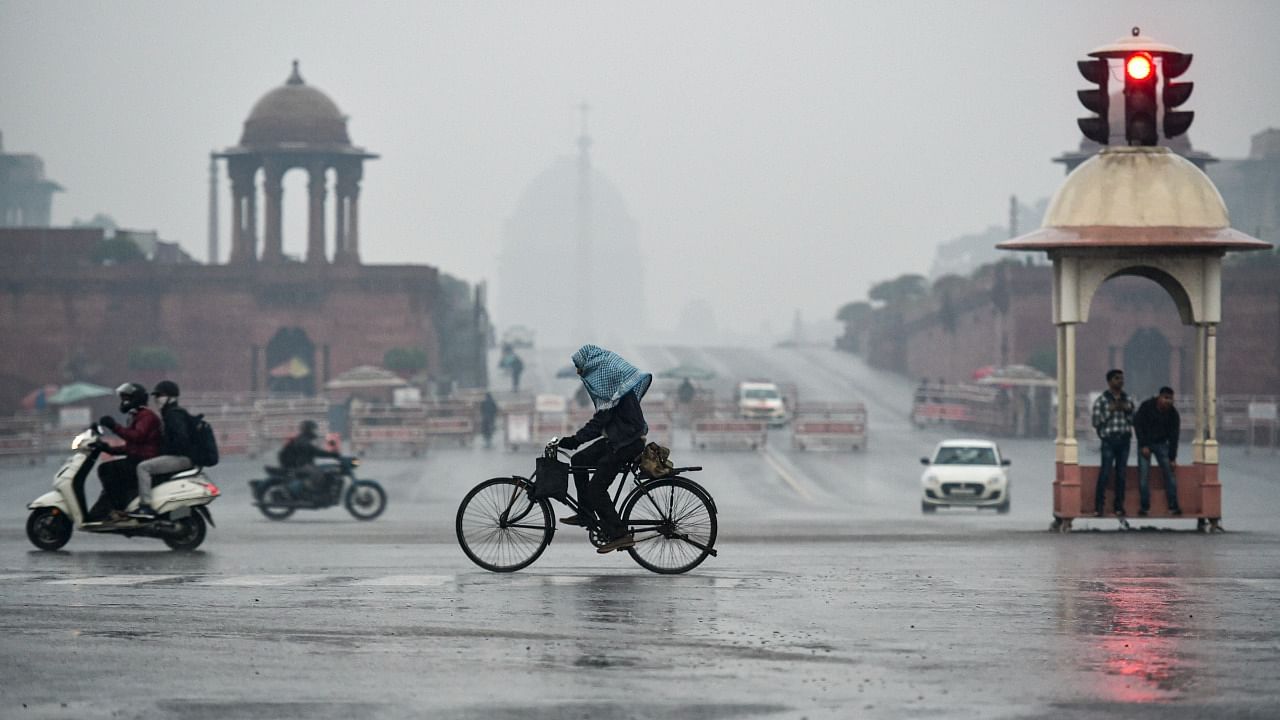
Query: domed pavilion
[[295, 126]]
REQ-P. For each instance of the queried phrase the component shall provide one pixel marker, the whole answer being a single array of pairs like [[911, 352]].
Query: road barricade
[[277, 420], [723, 430], [450, 423], [22, 438], [388, 429], [829, 426]]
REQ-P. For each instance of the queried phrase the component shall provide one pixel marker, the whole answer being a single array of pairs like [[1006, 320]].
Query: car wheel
[[927, 509], [1003, 508]]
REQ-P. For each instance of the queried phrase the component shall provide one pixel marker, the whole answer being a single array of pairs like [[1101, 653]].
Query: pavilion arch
[[1192, 281]]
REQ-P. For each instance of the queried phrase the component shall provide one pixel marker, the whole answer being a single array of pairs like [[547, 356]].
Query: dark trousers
[[119, 486], [1160, 453], [1115, 456], [593, 490]]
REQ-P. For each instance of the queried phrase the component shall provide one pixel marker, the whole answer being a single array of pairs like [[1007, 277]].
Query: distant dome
[[295, 113]]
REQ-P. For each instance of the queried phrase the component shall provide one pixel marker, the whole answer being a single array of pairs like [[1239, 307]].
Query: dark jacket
[[301, 451], [177, 431], [621, 424], [141, 435], [1153, 426]]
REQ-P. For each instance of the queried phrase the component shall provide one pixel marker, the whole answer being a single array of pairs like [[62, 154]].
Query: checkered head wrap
[[608, 377]]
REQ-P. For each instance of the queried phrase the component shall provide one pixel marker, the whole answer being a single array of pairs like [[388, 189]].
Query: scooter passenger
[[298, 457], [142, 441], [175, 450]]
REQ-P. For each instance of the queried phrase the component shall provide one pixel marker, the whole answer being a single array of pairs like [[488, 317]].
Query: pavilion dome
[[1136, 197], [295, 113]]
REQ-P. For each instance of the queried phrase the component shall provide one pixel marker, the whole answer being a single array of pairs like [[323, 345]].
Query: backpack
[[655, 461], [204, 444]]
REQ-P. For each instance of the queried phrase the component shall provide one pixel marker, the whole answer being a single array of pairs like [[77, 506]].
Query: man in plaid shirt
[[1113, 419]]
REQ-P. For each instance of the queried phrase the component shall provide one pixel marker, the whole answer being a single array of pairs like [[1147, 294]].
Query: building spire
[[212, 256], [295, 78], [585, 322]]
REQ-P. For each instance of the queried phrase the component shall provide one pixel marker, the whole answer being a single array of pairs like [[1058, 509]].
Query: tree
[[405, 360], [947, 314], [854, 313], [899, 290], [152, 357], [117, 251]]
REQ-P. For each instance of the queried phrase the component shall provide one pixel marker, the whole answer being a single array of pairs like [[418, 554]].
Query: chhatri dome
[[295, 113], [294, 126]]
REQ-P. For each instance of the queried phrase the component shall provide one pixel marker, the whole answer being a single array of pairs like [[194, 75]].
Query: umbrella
[[687, 371], [366, 376], [983, 371], [1018, 376], [567, 371], [77, 391], [36, 399], [292, 368]]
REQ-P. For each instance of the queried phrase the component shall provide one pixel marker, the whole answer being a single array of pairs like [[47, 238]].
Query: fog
[[775, 157]]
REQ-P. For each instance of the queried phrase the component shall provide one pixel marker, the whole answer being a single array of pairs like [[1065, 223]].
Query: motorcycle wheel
[[191, 532], [48, 528], [366, 500], [275, 493]]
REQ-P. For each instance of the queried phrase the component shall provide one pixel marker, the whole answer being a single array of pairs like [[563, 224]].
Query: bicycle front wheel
[[674, 526], [500, 528]]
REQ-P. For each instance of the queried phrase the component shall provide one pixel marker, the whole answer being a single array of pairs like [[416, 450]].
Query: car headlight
[[995, 480], [931, 479]]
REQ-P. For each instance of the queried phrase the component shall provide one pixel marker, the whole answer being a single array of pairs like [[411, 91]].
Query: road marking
[[407, 581], [787, 477], [260, 580], [113, 580]]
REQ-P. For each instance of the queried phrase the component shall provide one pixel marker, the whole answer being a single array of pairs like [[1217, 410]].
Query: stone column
[[273, 194], [241, 171], [348, 234], [339, 221], [1211, 394], [315, 219], [1197, 443]]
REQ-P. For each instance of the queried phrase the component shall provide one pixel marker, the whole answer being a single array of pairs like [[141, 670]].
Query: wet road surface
[[832, 597]]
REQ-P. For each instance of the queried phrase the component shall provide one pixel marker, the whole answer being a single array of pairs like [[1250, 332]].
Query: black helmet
[[132, 396], [308, 428], [167, 388]]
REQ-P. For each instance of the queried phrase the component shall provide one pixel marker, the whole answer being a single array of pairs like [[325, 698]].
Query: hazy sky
[[776, 156]]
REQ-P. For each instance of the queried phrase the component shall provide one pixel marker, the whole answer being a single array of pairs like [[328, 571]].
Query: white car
[[965, 473], [761, 400]]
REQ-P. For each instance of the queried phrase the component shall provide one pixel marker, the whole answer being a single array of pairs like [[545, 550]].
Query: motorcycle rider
[[175, 448], [142, 440], [298, 456]]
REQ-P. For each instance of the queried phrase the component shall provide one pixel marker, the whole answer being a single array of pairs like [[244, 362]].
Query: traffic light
[[1096, 101], [1140, 99], [1175, 122]]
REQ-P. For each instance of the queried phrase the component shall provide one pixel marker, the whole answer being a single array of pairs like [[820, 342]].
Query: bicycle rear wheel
[[674, 526], [500, 528]]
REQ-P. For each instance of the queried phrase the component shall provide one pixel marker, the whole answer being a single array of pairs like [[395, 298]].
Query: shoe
[[572, 520], [1142, 513], [144, 512], [1119, 512], [619, 543], [1175, 511]]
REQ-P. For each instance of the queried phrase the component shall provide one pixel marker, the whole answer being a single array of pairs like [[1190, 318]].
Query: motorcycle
[[179, 499], [281, 493]]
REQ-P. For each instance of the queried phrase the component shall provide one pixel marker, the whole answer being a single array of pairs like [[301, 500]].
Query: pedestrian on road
[[1113, 420], [1157, 425], [616, 387], [488, 418]]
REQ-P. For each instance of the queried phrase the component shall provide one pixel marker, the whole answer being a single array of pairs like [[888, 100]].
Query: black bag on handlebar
[[551, 481]]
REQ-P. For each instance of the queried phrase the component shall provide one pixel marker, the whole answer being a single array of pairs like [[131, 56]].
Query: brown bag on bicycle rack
[[654, 460], [552, 480]]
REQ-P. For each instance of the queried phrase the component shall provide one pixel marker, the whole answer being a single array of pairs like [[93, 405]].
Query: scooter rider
[[175, 450], [142, 440], [298, 456]]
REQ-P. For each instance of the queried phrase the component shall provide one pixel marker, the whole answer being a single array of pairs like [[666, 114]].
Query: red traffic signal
[[1138, 66]]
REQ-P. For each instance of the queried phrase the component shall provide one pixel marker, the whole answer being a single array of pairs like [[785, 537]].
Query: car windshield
[[761, 394], [965, 456]]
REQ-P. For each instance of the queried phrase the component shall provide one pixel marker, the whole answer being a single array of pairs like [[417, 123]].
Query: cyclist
[[616, 388]]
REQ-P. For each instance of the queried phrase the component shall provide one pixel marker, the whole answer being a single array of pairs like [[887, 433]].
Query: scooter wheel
[[48, 528], [191, 532]]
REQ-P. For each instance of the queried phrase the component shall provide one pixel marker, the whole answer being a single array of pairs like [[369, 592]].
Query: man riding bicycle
[[616, 388]]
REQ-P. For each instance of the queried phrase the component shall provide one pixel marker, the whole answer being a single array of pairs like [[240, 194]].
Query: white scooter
[[181, 516]]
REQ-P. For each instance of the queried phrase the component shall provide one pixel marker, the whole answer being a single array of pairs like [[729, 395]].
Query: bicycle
[[503, 528]]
